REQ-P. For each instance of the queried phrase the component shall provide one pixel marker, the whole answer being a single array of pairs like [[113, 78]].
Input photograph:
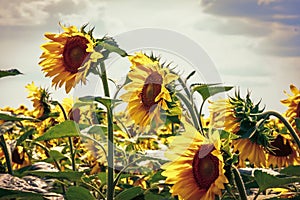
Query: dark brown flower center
[[17, 157], [298, 111], [151, 89], [75, 53], [280, 148], [205, 167]]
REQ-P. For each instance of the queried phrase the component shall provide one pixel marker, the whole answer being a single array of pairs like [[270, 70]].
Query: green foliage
[[11, 194], [291, 170], [67, 128], [208, 90], [107, 102], [79, 193], [265, 180], [26, 135], [7, 117], [10, 72], [130, 193], [110, 45]]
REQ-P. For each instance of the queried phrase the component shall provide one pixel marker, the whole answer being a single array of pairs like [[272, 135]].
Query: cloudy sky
[[254, 45]]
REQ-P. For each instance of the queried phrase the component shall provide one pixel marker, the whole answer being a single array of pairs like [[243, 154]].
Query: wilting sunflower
[[40, 98], [251, 151], [293, 104], [236, 115], [68, 56], [282, 152], [147, 93], [196, 170]]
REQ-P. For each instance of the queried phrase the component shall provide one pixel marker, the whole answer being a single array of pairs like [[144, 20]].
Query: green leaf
[[207, 90], [78, 193], [103, 100], [25, 136], [11, 194], [98, 129], [152, 196], [65, 129], [102, 177], [291, 170], [112, 48], [70, 175], [190, 75], [7, 117], [130, 193], [227, 135], [56, 155], [157, 177], [265, 180], [297, 120], [10, 72]]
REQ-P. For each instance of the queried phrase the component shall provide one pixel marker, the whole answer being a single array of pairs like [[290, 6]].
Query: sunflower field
[[148, 139]]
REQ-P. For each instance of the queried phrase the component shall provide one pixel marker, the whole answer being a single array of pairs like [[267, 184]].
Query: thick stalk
[[110, 156], [286, 123], [239, 183], [72, 152], [191, 110], [200, 115], [110, 176], [6, 154], [104, 79]]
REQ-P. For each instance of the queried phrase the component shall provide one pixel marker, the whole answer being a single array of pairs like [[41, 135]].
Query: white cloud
[[23, 13], [36, 12]]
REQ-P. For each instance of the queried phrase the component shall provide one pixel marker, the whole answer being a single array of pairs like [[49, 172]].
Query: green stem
[[72, 152], [6, 154], [239, 183], [104, 79], [96, 189], [110, 160], [190, 97], [110, 176], [191, 110], [200, 114], [286, 123]]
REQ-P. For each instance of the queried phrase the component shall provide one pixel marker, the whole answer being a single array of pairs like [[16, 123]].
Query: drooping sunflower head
[[147, 93], [196, 167], [68, 56], [241, 116], [282, 150], [293, 104], [40, 98], [222, 115]]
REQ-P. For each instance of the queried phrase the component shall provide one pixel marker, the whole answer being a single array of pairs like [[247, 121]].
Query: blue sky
[[254, 45]]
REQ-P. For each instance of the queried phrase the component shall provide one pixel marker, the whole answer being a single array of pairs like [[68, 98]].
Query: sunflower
[[147, 94], [282, 152], [251, 151], [196, 170], [68, 57], [293, 104], [222, 115], [40, 99], [234, 115]]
